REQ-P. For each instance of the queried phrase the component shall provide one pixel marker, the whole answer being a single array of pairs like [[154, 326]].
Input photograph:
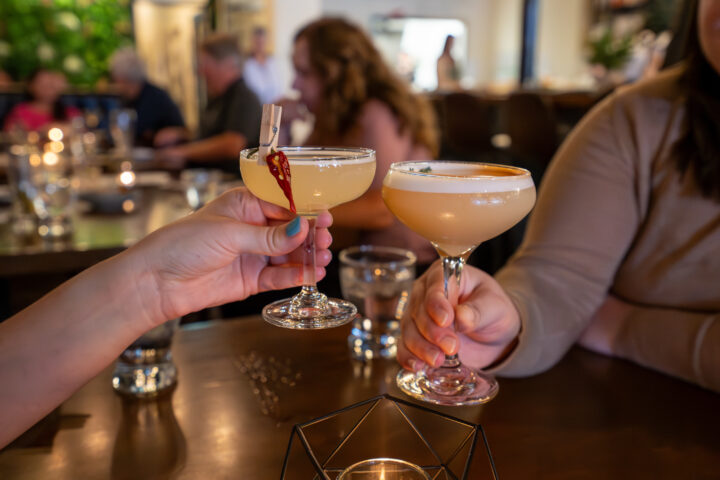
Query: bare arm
[[225, 145], [211, 257], [367, 212], [54, 346], [168, 136]]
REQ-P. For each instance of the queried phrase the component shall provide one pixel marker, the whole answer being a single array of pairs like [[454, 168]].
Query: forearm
[[680, 343], [367, 212], [53, 347], [219, 147]]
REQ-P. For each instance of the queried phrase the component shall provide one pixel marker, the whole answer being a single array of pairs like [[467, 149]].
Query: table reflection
[[149, 442]]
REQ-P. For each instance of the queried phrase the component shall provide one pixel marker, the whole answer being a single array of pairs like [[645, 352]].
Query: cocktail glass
[[321, 178], [456, 206]]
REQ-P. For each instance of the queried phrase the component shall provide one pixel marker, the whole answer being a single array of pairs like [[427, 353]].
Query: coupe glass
[[321, 178], [457, 206]]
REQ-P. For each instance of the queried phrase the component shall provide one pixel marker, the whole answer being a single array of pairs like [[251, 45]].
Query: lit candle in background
[[383, 469], [126, 179]]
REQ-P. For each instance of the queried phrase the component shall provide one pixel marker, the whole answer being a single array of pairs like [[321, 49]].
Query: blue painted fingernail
[[293, 227]]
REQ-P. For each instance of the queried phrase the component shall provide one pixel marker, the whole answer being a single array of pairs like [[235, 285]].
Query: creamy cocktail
[[320, 178], [456, 206], [459, 205]]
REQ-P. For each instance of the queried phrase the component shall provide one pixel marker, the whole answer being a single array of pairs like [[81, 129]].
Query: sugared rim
[[402, 167], [346, 153], [406, 258]]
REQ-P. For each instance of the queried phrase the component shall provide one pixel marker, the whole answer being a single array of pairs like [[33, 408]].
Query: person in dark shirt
[[231, 120], [159, 121]]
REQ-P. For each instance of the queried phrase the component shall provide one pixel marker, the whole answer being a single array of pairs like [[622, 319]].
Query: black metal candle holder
[[385, 426]]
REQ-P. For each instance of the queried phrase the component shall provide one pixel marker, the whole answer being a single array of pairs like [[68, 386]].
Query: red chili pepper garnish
[[279, 166]]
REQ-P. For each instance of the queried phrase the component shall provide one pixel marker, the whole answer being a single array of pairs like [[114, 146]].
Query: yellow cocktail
[[319, 182], [320, 178], [456, 206]]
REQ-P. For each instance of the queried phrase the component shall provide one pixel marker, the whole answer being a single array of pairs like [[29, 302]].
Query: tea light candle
[[383, 469]]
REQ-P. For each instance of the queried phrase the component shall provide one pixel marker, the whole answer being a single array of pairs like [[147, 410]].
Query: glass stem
[[452, 269], [309, 281]]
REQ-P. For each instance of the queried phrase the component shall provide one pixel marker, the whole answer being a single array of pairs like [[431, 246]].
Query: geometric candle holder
[[385, 427]]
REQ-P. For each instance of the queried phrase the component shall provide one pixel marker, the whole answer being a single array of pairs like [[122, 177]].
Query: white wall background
[[475, 14], [561, 39], [289, 16], [495, 32]]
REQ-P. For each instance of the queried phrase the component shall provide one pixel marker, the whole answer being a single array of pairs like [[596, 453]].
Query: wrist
[[143, 296]]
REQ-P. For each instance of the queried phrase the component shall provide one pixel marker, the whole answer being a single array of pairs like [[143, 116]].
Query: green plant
[[74, 36], [610, 52]]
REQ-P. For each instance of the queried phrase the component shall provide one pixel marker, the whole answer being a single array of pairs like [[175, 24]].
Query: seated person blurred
[[231, 120], [44, 107], [621, 251], [155, 109], [261, 72], [358, 101]]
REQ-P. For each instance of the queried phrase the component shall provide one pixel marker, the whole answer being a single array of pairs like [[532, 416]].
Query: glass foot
[[291, 313], [453, 386]]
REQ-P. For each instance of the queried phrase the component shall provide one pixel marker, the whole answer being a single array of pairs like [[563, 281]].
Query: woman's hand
[[486, 321], [232, 248]]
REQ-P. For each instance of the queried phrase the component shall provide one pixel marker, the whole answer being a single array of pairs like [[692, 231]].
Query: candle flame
[[55, 134], [50, 158], [127, 178]]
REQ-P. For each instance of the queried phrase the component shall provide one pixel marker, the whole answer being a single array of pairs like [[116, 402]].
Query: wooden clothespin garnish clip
[[269, 130]]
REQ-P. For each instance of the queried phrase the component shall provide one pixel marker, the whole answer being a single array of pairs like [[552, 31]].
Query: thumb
[[486, 317], [278, 240]]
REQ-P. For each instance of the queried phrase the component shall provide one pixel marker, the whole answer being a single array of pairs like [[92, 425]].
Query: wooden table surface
[[589, 417]]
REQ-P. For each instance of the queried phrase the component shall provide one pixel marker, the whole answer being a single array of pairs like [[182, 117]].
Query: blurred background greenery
[[73, 36]]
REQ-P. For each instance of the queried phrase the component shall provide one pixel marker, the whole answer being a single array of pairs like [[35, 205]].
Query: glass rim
[[522, 172], [372, 461], [350, 153], [406, 258]]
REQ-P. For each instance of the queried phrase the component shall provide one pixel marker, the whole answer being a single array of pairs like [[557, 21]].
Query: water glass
[[41, 177], [122, 130], [22, 217], [201, 185], [146, 367], [378, 280]]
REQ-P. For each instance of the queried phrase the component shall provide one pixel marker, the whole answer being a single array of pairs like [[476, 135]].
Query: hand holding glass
[[456, 206], [321, 178]]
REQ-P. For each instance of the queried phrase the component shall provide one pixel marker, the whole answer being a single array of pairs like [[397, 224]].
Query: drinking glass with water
[[378, 280]]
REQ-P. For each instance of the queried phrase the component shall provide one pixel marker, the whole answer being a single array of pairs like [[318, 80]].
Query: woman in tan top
[[357, 101], [622, 252]]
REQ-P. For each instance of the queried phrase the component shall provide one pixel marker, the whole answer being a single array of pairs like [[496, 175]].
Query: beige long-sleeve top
[[614, 216]]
